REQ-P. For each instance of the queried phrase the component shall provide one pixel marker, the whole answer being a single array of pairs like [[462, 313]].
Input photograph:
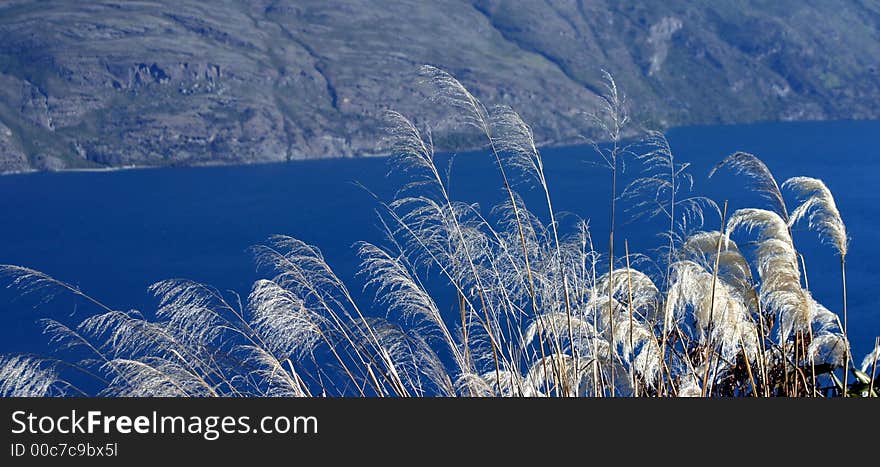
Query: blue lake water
[[114, 233]]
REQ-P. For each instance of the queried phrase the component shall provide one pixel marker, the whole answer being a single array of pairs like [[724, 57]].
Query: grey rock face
[[12, 158], [86, 84]]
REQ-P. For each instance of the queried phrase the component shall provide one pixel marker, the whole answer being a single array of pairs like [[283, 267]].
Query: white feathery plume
[[663, 191], [562, 371], [689, 386], [634, 340], [24, 376], [554, 325], [126, 334], [397, 288], [278, 381], [780, 290], [486, 385], [824, 217], [513, 137], [733, 268], [749, 165], [190, 311], [511, 384], [723, 312], [473, 385], [154, 377], [829, 344], [282, 320], [869, 360], [417, 365], [819, 206], [408, 145], [645, 294], [448, 90]]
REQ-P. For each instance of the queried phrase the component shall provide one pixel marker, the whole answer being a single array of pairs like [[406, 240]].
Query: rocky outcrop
[[12, 157]]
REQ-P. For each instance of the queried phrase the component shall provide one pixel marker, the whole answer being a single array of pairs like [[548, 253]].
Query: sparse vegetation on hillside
[[188, 82]]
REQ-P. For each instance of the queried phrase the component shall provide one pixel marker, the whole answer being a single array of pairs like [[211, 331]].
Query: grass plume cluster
[[540, 310]]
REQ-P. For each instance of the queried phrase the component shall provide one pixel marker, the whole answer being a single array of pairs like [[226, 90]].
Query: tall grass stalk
[[612, 119], [874, 365], [710, 348]]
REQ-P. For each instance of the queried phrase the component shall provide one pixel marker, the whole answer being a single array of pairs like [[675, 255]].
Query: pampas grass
[[539, 310], [819, 207]]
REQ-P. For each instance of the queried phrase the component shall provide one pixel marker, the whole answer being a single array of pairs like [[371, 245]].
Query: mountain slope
[[86, 84]]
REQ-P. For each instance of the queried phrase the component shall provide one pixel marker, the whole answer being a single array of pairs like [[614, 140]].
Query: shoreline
[[82, 169], [547, 144]]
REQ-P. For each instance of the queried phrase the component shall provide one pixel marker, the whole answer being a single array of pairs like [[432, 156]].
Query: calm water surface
[[113, 234]]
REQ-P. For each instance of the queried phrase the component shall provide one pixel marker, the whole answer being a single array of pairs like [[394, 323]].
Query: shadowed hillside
[[89, 84]]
